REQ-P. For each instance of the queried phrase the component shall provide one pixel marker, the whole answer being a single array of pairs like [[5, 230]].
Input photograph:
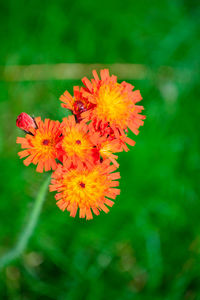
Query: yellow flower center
[[85, 188], [113, 104], [76, 143], [44, 143]]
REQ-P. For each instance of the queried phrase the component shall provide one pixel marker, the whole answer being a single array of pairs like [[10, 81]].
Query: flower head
[[76, 146], [85, 188], [114, 104], [40, 145]]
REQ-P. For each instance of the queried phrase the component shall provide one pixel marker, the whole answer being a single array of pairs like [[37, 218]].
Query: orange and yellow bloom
[[86, 188], [81, 150], [75, 147], [114, 103], [40, 145]]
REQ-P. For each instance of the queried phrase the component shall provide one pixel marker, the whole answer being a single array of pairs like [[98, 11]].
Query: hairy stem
[[28, 231]]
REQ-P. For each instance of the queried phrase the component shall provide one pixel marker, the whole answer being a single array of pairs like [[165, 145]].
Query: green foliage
[[148, 246]]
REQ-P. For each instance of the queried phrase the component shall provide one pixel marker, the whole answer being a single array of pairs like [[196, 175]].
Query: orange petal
[[28, 160], [114, 176], [82, 212], [40, 166], [87, 83], [23, 153], [88, 214], [109, 202], [104, 208], [96, 77], [95, 211], [62, 204]]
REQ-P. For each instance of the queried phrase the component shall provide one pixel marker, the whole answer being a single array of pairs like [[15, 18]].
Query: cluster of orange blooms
[[81, 150]]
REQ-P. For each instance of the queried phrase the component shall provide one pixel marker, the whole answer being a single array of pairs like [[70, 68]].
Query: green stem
[[28, 231]]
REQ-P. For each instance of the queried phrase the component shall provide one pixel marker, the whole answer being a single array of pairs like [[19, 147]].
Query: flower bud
[[25, 122]]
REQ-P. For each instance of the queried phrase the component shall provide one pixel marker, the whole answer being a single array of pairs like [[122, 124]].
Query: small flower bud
[[25, 122]]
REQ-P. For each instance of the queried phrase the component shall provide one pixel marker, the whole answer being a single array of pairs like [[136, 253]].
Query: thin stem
[[28, 231]]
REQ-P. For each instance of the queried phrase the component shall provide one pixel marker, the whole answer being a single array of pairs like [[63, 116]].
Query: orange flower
[[40, 145], [114, 103], [85, 188], [76, 146]]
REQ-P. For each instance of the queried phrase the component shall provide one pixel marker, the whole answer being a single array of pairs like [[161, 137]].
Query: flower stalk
[[26, 234]]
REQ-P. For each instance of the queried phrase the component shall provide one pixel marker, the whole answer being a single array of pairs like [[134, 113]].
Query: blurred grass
[[148, 246]]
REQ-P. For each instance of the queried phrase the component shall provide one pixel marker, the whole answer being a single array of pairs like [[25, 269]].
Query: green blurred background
[[148, 246]]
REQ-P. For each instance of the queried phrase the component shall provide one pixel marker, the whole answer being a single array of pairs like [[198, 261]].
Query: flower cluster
[[81, 150]]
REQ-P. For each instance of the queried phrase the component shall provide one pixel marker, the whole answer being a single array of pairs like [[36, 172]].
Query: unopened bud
[[25, 122]]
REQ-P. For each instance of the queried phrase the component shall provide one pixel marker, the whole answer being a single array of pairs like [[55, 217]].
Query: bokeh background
[[148, 246]]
